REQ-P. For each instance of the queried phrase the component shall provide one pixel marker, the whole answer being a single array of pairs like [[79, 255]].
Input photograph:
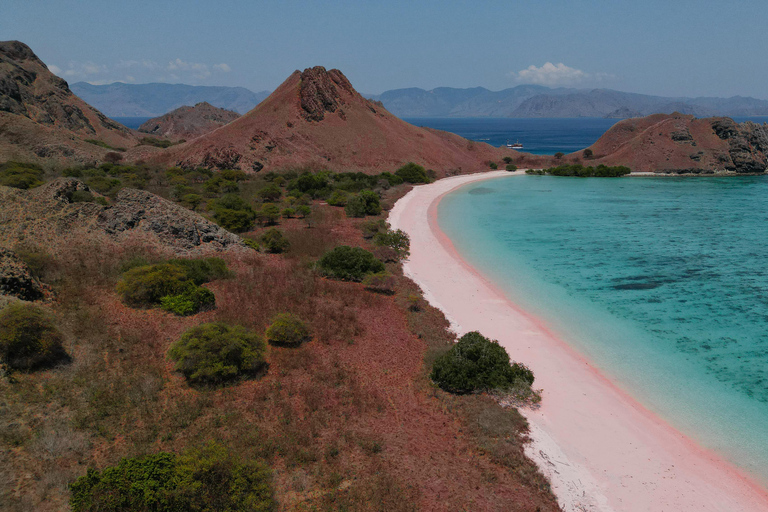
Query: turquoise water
[[661, 282]]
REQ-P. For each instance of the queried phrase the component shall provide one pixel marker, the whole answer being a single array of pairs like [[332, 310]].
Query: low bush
[[174, 285], [28, 338], [216, 352], [338, 198], [287, 330], [507, 159], [191, 301], [493, 165], [270, 193], [579, 171], [268, 214], [511, 167], [367, 202], [349, 263], [412, 173], [253, 244], [274, 241], [382, 282], [207, 479], [476, 363], [21, 175]]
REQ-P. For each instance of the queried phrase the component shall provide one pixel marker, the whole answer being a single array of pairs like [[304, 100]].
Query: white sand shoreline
[[601, 449]]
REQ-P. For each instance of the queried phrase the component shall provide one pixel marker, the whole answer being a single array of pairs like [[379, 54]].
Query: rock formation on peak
[[41, 118], [317, 119], [189, 122], [683, 144]]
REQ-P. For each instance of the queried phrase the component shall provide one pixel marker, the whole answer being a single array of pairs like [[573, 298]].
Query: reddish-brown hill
[[189, 122], [680, 143], [316, 118], [41, 118]]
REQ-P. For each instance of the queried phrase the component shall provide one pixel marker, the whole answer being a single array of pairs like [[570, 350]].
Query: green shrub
[[559, 155], [191, 201], [203, 270], [493, 165], [303, 211], [253, 244], [371, 227], [270, 193], [200, 480], [191, 301], [507, 159], [172, 284], [380, 283], [29, 339], [338, 198], [287, 330], [578, 170], [233, 175], [476, 363], [397, 240], [511, 167], [21, 175], [145, 286], [412, 173], [274, 241], [216, 352], [81, 196], [287, 213], [365, 203], [349, 263]]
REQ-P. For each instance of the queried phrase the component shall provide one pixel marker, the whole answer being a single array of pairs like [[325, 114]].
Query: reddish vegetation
[[189, 122], [41, 118], [683, 144], [317, 119]]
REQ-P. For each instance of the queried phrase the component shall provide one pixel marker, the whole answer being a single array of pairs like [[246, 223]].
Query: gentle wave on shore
[[660, 282]]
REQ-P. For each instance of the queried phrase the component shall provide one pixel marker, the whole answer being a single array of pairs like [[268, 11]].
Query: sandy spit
[[600, 448]]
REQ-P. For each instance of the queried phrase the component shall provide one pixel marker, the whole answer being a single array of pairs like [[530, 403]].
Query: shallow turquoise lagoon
[[661, 282]]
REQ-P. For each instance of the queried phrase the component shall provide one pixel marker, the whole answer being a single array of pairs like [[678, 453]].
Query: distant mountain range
[[539, 101], [149, 100]]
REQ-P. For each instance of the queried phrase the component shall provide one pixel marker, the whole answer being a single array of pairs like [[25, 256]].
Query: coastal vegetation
[[324, 414], [578, 170], [476, 363], [20, 175]]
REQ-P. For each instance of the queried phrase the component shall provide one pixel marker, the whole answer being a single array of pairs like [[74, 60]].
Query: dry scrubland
[[346, 421]]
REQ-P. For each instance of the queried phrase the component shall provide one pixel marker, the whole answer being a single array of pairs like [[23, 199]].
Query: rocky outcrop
[[319, 93], [48, 214], [747, 144], [16, 280], [189, 122], [173, 225]]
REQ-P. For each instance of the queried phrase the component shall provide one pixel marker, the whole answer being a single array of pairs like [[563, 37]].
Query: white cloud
[[557, 74], [139, 70], [56, 70], [222, 67]]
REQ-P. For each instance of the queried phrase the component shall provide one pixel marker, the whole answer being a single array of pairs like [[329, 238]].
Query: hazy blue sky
[[669, 47]]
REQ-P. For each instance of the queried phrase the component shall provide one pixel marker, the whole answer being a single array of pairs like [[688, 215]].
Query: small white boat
[[516, 145]]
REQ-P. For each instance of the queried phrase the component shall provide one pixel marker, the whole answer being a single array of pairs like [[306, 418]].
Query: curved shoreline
[[600, 448]]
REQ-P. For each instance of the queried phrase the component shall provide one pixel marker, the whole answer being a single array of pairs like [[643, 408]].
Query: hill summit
[[189, 122], [316, 118]]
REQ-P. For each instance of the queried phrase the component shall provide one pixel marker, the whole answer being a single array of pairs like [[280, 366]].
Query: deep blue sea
[[132, 122], [661, 282], [541, 136]]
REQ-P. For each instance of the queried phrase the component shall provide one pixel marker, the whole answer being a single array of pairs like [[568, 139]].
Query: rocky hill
[[683, 144], [317, 119], [189, 122], [40, 117], [144, 100]]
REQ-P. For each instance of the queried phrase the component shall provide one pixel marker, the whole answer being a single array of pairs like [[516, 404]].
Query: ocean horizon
[[656, 281]]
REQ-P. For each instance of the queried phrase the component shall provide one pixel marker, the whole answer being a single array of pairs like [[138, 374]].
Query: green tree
[[349, 263], [365, 203], [412, 173], [587, 154], [476, 363], [559, 155], [233, 213], [397, 240], [274, 241], [269, 214], [270, 193]]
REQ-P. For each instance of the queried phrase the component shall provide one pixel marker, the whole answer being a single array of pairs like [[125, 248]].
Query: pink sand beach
[[600, 448]]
